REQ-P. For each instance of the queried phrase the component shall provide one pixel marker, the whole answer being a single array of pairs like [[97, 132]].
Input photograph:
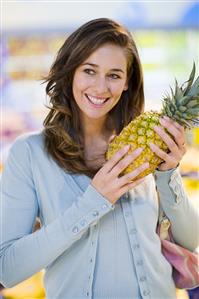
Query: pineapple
[[182, 106]]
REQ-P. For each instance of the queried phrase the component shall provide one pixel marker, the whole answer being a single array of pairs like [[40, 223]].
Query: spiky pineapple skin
[[140, 133], [182, 106]]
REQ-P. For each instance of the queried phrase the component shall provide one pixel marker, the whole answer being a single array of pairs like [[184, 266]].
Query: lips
[[98, 101]]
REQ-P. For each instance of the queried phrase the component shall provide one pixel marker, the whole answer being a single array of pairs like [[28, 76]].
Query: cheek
[[76, 85], [80, 83], [117, 89]]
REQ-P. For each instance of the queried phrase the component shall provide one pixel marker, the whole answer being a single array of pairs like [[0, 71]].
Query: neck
[[93, 128]]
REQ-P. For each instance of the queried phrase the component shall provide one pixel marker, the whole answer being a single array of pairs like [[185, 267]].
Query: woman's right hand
[[107, 181]]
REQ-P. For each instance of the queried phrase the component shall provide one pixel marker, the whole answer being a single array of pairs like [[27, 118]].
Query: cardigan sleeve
[[180, 210], [23, 252]]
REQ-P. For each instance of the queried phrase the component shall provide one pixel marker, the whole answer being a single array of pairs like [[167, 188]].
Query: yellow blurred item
[[182, 294], [192, 137], [31, 288], [190, 161]]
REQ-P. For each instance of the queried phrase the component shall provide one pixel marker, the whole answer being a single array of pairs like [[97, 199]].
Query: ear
[[126, 86]]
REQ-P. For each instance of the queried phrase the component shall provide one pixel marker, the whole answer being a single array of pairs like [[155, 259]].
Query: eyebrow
[[95, 65]]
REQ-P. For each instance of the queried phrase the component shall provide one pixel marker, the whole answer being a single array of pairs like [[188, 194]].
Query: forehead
[[109, 55]]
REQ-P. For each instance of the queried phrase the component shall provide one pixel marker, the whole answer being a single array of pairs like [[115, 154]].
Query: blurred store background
[[32, 31]]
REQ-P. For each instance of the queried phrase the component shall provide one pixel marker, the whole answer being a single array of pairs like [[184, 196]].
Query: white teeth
[[95, 100]]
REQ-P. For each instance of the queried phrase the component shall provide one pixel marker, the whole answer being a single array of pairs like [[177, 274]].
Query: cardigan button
[[83, 222], [104, 206], [146, 293], [95, 213], [75, 229], [136, 246]]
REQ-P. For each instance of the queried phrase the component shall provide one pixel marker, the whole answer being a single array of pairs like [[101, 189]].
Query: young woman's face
[[100, 80]]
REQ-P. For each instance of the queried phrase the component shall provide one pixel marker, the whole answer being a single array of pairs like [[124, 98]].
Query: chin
[[95, 116]]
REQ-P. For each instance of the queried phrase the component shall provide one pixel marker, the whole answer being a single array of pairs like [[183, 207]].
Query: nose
[[101, 85]]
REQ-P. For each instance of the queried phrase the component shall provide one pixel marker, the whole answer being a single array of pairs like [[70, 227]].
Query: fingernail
[[162, 121], [151, 144], [141, 180], [126, 148], [156, 128], [145, 165], [138, 150], [166, 117]]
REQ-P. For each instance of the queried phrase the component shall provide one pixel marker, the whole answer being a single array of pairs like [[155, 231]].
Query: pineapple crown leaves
[[183, 103]]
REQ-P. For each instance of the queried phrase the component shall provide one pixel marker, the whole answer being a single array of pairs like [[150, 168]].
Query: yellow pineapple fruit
[[182, 106]]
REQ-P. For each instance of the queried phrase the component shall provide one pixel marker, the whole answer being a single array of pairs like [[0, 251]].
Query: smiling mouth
[[96, 100]]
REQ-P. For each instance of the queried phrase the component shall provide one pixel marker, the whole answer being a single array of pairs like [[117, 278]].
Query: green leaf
[[190, 80], [193, 111], [193, 103], [194, 91], [187, 115], [178, 91], [167, 111], [183, 101], [182, 108], [182, 121]]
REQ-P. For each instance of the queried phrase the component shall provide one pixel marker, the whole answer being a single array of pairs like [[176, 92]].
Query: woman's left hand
[[177, 148]]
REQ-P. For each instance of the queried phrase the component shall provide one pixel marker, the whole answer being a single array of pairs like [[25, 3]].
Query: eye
[[89, 71], [114, 76]]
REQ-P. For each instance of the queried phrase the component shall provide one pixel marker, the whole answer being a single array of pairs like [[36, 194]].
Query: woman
[[98, 236]]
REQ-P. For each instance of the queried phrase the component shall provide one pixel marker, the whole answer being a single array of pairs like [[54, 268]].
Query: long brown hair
[[62, 129]]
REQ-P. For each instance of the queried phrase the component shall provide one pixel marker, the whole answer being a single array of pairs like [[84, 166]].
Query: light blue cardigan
[[72, 213]]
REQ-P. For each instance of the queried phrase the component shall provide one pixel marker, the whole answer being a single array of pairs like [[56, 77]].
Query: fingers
[[112, 138], [129, 186], [169, 159], [133, 174], [115, 159], [122, 164], [167, 139], [176, 124], [177, 148], [106, 180], [176, 130]]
